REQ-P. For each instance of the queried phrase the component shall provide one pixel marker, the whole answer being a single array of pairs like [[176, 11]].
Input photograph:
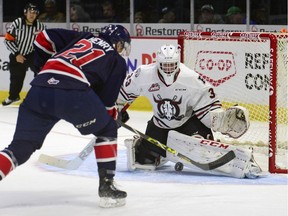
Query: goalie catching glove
[[233, 122]]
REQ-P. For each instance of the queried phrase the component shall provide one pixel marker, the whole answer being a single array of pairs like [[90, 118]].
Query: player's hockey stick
[[204, 166], [73, 164]]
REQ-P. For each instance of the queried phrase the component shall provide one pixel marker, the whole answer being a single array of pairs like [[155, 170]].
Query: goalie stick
[[69, 164], [204, 166]]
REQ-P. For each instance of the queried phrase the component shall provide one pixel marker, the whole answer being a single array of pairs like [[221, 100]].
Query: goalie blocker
[[202, 151]]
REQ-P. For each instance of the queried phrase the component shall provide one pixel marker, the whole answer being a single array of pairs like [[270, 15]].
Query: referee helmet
[[31, 7]]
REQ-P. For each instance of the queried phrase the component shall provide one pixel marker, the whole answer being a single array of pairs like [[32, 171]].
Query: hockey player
[[79, 82], [182, 101]]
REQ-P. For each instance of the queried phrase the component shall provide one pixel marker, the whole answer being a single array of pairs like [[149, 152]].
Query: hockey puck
[[178, 166]]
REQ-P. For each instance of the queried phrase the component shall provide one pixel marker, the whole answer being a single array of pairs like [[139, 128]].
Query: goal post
[[248, 69]]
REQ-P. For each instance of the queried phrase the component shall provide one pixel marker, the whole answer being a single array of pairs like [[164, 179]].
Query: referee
[[19, 41]]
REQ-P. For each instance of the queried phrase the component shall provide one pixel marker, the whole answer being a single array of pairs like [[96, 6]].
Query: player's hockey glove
[[123, 115], [112, 111]]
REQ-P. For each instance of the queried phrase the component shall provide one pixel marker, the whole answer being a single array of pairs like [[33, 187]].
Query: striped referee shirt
[[20, 36]]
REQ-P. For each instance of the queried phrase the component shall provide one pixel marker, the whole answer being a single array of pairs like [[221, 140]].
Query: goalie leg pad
[[203, 151]]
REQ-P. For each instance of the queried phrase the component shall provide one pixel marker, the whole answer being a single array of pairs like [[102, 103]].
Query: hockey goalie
[[186, 113]]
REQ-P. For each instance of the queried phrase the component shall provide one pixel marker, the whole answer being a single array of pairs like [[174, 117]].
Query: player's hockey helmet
[[31, 7], [117, 33], [168, 62]]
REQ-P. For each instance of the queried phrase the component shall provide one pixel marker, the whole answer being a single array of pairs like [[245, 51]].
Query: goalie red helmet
[[117, 33], [168, 62]]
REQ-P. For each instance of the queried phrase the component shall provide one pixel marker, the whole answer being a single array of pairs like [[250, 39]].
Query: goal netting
[[248, 69]]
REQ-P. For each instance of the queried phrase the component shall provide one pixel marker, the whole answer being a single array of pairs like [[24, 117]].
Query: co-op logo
[[215, 67]]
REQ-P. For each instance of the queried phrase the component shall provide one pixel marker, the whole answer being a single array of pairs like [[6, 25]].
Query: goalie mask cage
[[248, 69]]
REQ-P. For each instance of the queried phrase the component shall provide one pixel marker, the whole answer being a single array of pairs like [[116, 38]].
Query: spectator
[[235, 16], [78, 14], [260, 16], [140, 17], [19, 41], [51, 13], [93, 8], [150, 11], [168, 16], [109, 12], [208, 15]]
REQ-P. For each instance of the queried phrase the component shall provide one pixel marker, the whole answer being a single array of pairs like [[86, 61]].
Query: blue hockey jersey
[[78, 60]]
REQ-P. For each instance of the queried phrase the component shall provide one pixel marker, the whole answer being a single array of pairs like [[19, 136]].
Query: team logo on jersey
[[137, 72], [53, 81], [154, 87], [167, 108]]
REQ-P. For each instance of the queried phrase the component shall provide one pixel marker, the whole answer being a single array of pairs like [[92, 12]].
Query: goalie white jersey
[[172, 105]]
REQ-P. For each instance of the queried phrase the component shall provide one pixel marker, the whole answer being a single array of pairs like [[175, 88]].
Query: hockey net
[[248, 69]]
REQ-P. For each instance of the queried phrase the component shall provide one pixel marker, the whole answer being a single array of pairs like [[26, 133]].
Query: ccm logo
[[215, 67], [214, 144], [86, 124]]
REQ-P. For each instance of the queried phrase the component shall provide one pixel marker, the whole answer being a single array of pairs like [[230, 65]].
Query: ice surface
[[41, 190]]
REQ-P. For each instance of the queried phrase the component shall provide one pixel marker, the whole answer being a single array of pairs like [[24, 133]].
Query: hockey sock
[[7, 163], [106, 153]]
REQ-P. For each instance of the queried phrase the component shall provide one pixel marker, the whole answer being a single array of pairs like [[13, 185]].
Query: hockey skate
[[109, 195], [9, 101]]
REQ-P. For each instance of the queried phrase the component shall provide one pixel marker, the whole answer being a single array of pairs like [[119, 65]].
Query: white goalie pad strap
[[233, 122], [130, 151], [204, 151]]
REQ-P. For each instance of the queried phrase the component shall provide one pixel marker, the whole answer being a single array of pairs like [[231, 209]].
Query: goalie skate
[[132, 165], [253, 170]]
